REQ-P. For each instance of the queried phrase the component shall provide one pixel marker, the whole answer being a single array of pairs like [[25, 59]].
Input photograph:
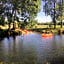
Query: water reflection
[[32, 49]]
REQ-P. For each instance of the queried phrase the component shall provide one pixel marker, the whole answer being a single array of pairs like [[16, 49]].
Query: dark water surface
[[32, 49]]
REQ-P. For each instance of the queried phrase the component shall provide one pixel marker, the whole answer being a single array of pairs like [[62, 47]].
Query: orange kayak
[[47, 35]]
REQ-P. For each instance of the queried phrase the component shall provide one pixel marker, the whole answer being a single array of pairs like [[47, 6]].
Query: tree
[[61, 11], [51, 8], [25, 8], [2, 17], [31, 23], [22, 8]]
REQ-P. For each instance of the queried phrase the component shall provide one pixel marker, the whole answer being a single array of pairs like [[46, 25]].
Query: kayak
[[47, 35]]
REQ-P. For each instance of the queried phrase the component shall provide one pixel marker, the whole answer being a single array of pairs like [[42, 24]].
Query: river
[[32, 49]]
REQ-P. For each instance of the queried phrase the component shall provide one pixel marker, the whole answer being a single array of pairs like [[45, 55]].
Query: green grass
[[39, 28], [47, 26], [55, 31]]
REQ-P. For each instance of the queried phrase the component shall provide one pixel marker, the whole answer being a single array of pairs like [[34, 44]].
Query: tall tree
[[26, 8], [61, 11], [51, 8], [22, 8]]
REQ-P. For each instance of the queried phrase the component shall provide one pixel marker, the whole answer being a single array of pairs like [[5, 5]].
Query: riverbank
[[7, 32], [11, 32], [54, 31]]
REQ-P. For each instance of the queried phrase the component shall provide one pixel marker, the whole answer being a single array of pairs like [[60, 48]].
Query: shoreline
[[7, 33]]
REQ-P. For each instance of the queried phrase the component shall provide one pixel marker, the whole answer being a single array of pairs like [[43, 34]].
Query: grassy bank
[[43, 28], [40, 28]]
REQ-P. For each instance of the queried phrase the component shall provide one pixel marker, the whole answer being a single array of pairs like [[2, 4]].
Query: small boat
[[47, 35]]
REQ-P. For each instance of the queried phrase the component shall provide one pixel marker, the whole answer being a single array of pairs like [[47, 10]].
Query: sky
[[41, 18]]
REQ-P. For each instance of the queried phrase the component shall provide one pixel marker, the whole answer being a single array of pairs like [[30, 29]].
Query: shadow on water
[[13, 51], [32, 49]]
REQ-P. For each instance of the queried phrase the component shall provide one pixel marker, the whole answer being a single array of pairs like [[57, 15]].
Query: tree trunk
[[54, 23], [61, 24], [13, 26], [14, 20], [61, 13], [9, 26], [54, 20]]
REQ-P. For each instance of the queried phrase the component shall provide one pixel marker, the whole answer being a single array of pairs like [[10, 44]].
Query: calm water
[[32, 49]]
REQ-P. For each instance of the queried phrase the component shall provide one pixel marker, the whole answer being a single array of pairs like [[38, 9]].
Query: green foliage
[[54, 8], [49, 8], [2, 22], [31, 24], [31, 7], [25, 8], [60, 10], [28, 9]]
